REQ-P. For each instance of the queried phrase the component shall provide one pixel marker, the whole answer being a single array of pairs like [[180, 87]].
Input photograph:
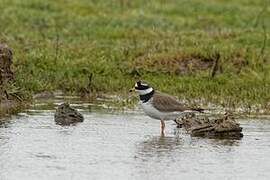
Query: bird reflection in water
[[180, 142], [158, 146]]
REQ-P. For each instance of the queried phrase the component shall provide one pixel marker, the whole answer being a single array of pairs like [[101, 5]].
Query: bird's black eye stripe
[[141, 87]]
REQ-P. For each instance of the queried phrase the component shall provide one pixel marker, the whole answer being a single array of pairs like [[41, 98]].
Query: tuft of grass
[[59, 44]]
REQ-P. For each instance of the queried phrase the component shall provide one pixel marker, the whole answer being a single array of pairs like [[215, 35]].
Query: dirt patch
[[182, 63], [176, 64]]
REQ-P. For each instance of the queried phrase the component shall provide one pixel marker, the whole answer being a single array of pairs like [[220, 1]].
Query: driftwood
[[224, 126]]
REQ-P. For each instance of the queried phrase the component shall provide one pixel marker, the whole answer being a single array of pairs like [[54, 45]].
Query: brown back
[[166, 103]]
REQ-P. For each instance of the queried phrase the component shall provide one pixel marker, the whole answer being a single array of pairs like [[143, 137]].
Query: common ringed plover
[[159, 105]]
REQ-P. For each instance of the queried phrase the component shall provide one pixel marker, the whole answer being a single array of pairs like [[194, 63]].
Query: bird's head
[[142, 88]]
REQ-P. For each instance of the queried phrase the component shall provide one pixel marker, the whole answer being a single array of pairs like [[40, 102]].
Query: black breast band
[[146, 97]]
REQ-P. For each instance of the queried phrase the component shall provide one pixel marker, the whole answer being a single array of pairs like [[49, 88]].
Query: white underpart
[[149, 109], [145, 91]]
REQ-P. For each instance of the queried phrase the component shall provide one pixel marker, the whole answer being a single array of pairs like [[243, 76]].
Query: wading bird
[[159, 105]]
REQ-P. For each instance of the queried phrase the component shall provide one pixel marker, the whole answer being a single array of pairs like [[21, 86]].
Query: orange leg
[[162, 125]]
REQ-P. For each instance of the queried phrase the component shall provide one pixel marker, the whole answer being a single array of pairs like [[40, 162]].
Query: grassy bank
[[213, 50]]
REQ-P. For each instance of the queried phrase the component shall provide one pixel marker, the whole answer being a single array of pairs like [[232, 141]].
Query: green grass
[[58, 43]]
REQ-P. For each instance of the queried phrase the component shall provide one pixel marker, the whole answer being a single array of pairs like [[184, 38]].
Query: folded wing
[[167, 103]]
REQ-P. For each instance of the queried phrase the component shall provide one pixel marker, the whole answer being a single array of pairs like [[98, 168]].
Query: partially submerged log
[[66, 115], [224, 126]]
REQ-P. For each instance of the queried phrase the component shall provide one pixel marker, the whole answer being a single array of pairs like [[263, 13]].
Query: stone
[[66, 115]]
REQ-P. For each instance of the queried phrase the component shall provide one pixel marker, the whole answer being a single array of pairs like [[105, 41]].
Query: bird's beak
[[132, 89]]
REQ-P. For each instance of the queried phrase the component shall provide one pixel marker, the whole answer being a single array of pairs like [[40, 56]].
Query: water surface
[[125, 145]]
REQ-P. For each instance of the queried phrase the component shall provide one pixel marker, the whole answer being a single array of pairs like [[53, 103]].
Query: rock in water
[[217, 127], [66, 115]]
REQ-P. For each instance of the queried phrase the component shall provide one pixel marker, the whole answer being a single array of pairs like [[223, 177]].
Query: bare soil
[[178, 64]]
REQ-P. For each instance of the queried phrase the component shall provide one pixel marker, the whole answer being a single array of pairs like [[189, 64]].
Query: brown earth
[[181, 63], [178, 64]]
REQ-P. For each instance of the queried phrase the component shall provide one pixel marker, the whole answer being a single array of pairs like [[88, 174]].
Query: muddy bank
[[10, 100]]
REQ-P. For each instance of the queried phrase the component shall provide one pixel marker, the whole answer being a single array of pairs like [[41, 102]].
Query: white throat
[[145, 91]]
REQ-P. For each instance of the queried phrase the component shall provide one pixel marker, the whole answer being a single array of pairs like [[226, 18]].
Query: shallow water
[[125, 145]]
